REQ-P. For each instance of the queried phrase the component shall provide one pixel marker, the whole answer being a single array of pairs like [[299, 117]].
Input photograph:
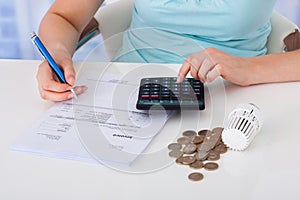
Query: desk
[[269, 169]]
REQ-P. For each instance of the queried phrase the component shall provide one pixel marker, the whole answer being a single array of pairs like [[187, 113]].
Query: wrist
[[255, 71]]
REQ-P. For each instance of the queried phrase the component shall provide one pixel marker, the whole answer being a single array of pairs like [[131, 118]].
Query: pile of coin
[[198, 150]]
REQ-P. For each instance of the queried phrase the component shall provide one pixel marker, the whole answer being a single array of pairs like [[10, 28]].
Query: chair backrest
[[115, 18], [281, 27]]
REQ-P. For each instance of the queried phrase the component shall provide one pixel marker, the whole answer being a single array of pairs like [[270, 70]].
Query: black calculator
[[166, 93]]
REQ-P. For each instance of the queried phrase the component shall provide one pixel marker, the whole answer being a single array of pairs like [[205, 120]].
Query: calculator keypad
[[164, 91]]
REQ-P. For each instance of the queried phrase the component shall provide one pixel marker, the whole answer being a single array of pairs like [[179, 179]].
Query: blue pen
[[38, 43]]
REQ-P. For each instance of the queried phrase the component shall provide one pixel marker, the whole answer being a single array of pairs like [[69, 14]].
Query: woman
[[210, 37]]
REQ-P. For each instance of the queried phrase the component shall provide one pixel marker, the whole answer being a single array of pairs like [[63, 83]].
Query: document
[[102, 125]]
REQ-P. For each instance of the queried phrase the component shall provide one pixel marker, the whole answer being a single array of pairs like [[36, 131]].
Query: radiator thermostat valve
[[243, 123]]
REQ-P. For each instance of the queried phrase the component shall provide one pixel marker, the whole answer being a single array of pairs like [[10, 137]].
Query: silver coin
[[174, 146], [213, 156], [197, 139], [197, 164], [201, 156], [186, 160], [203, 132], [184, 140], [175, 153], [210, 166], [189, 148], [196, 176], [189, 133], [218, 130]]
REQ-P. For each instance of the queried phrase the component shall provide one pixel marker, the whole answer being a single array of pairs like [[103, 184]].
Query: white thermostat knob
[[243, 123]]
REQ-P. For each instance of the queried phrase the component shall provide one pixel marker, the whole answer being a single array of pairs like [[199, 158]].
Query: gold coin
[[175, 153], [186, 160], [189, 148], [174, 146], [210, 166], [197, 164], [196, 176], [184, 140], [189, 133]]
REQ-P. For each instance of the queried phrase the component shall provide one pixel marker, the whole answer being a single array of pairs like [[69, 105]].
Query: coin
[[189, 148], [203, 132], [197, 139], [175, 153], [189, 133], [196, 176], [174, 146], [186, 160], [209, 142], [218, 130], [213, 156], [197, 164], [201, 155], [179, 161], [184, 140], [221, 149], [210, 166]]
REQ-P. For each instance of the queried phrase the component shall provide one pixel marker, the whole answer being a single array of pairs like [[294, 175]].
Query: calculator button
[[154, 96], [154, 93], [154, 89], [144, 97], [165, 97]]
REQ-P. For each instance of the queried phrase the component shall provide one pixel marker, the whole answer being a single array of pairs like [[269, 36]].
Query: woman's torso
[[167, 31]]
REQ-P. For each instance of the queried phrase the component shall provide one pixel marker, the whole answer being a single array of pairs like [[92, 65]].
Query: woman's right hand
[[49, 86]]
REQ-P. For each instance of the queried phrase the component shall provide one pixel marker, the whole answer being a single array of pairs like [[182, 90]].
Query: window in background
[[19, 17]]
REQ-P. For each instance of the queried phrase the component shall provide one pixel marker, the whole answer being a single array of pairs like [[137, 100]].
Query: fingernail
[[178, 79], [71, 80], [69, 88], [81, 89], [84, 88], [70, 96]]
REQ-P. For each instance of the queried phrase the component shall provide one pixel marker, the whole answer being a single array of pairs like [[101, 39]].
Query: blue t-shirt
[[168, 31]]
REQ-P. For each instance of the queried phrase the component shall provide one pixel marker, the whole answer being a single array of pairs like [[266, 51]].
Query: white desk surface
[[268, 169]]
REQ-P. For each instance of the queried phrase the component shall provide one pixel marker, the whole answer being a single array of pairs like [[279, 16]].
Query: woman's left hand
[[210, 63]]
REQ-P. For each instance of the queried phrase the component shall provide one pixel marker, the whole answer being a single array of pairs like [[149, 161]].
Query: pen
[[38, 43]]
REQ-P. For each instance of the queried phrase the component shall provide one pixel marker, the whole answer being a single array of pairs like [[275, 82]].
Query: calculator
[[166, 93]]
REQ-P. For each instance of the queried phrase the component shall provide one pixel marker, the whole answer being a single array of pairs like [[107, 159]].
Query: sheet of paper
[[101, 125]]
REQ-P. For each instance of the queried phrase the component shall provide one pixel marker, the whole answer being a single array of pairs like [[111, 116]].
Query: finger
[[61, 96], [183, 71], [206, 66], [213, 74], [80, 89], [69, 72], [47, 82], [195, 65]]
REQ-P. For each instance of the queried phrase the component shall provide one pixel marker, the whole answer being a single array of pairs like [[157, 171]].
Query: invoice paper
[[101, 125]]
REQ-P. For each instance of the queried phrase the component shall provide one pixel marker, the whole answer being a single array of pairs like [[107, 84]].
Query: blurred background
[[20, 17]]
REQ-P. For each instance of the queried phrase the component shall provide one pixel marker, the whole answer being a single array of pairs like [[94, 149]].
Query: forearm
[[57, 34], [63, 23], [271, 68]]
